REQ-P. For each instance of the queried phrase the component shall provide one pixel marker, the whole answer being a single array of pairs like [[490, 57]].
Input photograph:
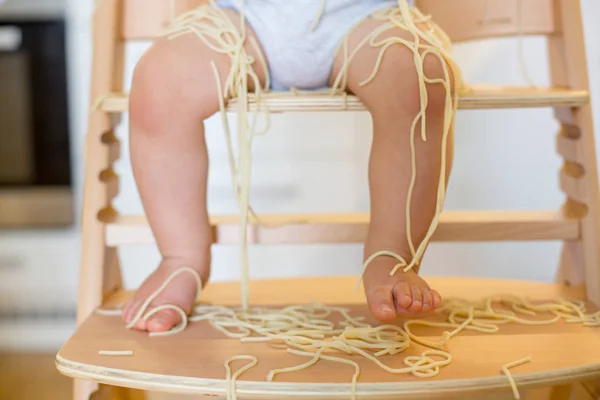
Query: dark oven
[[35, 162]]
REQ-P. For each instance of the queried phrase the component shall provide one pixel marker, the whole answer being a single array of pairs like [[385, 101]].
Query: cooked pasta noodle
[[101, 99], [142, 310], [511, 380], [172, 9], [336, 359], [318, 16], [232, 378], [109, 312], [115, 353], [179, 328]]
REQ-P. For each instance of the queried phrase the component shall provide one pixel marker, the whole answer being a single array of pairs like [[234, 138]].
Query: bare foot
[[405, 294], [180, 292]]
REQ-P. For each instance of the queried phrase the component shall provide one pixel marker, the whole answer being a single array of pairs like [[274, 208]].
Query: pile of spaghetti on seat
[[331, 333]]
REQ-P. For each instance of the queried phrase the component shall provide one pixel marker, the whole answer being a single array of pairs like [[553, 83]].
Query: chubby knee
[[401, 86], [438, 94], [170, 85]]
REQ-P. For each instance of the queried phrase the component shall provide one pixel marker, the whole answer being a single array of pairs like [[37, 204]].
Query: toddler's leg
[[393, 100], [173, 92]]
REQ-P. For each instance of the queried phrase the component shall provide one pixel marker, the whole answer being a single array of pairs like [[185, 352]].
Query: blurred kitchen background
[[504, 159]]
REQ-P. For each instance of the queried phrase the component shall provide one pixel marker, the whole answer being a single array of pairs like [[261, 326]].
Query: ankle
[[201, 266], [372, 247], [387, 260]]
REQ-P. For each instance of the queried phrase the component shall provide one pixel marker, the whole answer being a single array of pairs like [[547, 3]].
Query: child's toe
[[141, 325], [427, 300], [125, 312], [417, 299], [437, 299], [130, 309], [163, 321], [403, 295], [381, 303]]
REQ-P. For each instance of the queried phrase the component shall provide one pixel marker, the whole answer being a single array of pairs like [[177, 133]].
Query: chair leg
[[570, 271], [113, 280], [561, 392], [98, 264], [587, 390], [580, 261], [84, 390], [102, 393], [129, 394], [576, 144], [105, 392]]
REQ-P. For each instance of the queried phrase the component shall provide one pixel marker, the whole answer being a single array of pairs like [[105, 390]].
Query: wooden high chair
[[561, 355]]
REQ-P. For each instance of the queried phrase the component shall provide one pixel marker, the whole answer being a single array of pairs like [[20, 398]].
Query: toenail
[[386, 308], [417, 303]]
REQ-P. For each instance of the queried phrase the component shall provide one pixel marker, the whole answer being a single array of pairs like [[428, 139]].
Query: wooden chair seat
[[475, 97], [192, 362]]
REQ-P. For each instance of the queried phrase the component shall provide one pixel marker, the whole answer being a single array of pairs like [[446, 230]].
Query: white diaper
[[298, 57]]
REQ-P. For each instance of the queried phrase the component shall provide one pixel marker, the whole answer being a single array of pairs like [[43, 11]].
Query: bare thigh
[[175, 77]]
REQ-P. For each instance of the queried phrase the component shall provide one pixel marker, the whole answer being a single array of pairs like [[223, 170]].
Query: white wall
[[504, 159]]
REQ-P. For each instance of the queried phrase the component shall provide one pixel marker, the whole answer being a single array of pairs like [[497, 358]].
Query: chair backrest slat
[[147, 19], [465, 20]]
